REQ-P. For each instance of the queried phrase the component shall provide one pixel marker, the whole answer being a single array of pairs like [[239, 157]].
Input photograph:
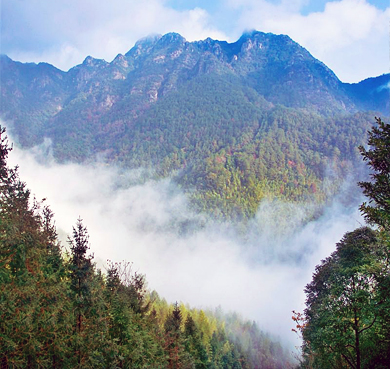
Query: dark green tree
[[194, 345], [81, 271], [86, 290], [344, 315], [134, 341], [33, 304], [377, 210]]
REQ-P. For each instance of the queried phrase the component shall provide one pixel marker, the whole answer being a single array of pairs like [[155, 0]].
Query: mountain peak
[[172, 37], [92, 62], [277, 68], [148, 40], [143, 45]]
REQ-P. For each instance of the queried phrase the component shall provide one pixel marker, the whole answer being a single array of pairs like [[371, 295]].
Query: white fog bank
[[261, 275]]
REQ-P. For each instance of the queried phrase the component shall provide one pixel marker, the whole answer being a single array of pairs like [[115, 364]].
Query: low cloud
[[386, 86], [185, 257]]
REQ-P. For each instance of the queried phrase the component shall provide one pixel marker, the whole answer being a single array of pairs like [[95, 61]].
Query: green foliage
[[377, 211], [194, 345], [280, 157], [233, 123], [344, 314], [346, 321], [217, 340], [61, 312], [34, 322]]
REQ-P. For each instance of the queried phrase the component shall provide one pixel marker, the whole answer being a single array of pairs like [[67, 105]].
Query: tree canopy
[[345, 312], [377, 210], [347, 317]]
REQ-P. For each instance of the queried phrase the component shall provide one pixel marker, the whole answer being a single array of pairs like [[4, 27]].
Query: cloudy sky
[[350, 36]]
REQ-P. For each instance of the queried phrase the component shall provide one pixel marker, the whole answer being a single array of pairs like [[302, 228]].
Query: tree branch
[[368, 327], [348, 361]]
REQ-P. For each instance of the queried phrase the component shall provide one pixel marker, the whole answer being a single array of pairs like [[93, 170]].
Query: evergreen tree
[[174, 341], [135, 340], [81, 270], [194, 345], [86, 289], [33, 305], [377, 211]]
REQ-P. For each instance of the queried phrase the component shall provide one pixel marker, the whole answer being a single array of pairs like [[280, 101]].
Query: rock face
[[42, 100], [233, 122]]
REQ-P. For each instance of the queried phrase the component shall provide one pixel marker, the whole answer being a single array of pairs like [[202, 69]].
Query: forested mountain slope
[[57, 310], [236, 122]]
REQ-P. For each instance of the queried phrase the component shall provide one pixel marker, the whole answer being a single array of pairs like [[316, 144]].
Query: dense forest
[[57, 310], [232, 123], [347, 317], [234, 126]]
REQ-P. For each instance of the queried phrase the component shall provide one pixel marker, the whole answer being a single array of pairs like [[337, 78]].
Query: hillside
[[233, 122], [58, 310]]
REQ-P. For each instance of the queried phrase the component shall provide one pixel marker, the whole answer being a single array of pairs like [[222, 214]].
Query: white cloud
[[64, 33], [349, 36], [261, 275], [384, 87]]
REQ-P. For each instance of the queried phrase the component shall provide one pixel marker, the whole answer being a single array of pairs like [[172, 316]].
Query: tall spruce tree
[[174, 341], [81, 270], [81, 275], [194, 345]]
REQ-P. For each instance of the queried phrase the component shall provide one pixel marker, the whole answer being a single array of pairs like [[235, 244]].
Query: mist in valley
[[260, 273]]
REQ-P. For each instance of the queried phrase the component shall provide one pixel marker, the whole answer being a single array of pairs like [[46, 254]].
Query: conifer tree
[[81, 270], [194, 345], [177, 357], [81, 276], [377, 210], [33, 322]]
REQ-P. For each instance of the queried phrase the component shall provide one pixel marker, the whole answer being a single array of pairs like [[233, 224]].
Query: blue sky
[[349, 36]]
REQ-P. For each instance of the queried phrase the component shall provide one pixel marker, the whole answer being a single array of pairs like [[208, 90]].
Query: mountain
[[235, 122], [372, 94]]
